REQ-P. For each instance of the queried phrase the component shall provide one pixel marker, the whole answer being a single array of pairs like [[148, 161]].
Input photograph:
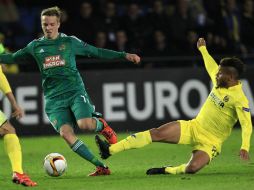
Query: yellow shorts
[[192, 134], [3, 118]]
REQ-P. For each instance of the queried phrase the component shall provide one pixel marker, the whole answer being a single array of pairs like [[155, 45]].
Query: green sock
[[99, 125], [82, 150]]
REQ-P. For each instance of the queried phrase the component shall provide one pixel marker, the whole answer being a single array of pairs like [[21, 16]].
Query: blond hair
[[52, 11]]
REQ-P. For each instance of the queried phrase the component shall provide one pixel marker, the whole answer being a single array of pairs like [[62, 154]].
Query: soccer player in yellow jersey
[[225, 105], [11, 141]]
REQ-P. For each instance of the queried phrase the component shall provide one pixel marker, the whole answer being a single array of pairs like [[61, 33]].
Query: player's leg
[[98, 125], [12, 146], [13, 150], [63, 121], [198, 160], [78, 146], [169, 133], [201, 156], [87, 120]]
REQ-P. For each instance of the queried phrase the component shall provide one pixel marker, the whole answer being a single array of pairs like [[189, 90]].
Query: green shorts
[[68, 108], [3, 118]]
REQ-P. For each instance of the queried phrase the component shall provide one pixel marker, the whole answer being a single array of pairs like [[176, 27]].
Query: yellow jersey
[[223, 108], [4, 84]]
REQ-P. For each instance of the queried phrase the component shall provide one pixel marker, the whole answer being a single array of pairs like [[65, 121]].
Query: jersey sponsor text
[[53, 61]]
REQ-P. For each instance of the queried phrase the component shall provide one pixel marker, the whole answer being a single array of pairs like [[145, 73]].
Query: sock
[[13, 149], [176, 170], [82, 150], [99, 125], [136, 140]]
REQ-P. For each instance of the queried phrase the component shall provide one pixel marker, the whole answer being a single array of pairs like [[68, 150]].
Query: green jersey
[[56, 61]]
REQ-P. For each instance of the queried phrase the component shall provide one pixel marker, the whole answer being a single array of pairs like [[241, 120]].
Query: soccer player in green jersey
[[67, 102], [225, 105]]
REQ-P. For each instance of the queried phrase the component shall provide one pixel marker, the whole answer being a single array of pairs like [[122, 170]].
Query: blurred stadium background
[[171, 82]]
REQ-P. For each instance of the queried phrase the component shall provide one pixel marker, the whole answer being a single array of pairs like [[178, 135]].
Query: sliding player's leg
[[198, 160], [169, 132], [203, 151]]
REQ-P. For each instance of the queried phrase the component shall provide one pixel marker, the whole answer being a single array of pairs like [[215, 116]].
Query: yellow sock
[[136, 140], [176, 170], [13, 149]]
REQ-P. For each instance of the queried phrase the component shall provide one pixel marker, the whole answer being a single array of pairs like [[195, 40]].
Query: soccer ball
[[55, 164]]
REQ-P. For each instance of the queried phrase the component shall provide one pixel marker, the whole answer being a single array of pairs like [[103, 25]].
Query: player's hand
[[244, 155], [133, 58], [18, 112], [201, 42]]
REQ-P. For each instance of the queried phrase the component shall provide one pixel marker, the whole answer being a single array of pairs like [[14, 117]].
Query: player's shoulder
[[36, 41], [75, 38], [76, 41], [71, 38], [240, 95], [65, 36], [241, 91], [243, 98], [32, 43]]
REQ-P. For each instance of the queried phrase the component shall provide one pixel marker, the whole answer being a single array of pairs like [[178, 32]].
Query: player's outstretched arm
[[81, 48], [18, 57], [244, 116], [111, 54], [210, 64]]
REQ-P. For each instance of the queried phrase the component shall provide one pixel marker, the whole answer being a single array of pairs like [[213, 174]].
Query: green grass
[[128, 168]]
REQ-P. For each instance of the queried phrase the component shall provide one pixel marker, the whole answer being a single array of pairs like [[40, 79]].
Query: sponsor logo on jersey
[[53, 61], [41, 51], [246, 109], [216, 100], [62, 47], [226, 99]]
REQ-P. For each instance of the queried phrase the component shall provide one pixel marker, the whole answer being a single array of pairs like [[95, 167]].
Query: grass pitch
[[129, 167]]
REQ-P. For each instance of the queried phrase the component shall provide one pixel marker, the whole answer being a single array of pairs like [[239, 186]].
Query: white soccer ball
[[55, 164]]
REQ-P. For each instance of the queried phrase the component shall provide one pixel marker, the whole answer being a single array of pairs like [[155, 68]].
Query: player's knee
[[7, 128], [66, 134], [156, 134], [11, 130], [87, 124], [192, 168]]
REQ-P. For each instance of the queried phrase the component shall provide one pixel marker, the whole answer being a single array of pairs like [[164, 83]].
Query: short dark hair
[[52, 11], [235, 63]]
